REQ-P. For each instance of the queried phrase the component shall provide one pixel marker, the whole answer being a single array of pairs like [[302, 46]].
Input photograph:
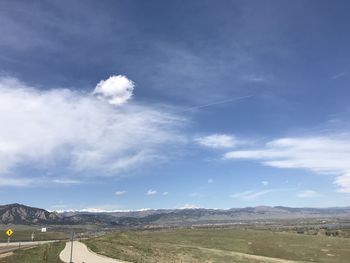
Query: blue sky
[[119, 105]]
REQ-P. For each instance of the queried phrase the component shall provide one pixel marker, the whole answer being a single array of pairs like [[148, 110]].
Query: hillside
[[21, 214]]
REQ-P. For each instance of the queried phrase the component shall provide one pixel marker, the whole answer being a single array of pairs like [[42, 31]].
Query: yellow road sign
[[9, 232]]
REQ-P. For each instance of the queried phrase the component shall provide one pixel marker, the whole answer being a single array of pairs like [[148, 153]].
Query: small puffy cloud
[[322, 155], [307, 194], [118, 193], [151, 192], [116, 89], [210, 181], [165, 193], [217, 141], [265, 183]]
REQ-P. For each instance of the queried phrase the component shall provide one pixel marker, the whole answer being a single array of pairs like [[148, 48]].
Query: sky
[[130, 105]]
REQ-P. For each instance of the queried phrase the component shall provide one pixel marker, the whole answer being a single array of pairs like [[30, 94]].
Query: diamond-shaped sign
[[9, 232]]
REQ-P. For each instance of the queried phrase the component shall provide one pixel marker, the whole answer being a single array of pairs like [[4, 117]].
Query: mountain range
[[21, 214]]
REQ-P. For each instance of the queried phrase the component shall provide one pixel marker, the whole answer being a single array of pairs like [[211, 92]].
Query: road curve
[[81, 254]]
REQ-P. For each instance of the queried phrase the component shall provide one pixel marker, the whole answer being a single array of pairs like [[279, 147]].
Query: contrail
[[214, 103]]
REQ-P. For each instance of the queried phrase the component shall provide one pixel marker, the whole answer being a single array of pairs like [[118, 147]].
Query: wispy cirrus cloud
[[217, 141], [16, 181], [320, 154], [198, 195], [255, 78], [339, 75], [307, 194], [252, 195], [66, 181]]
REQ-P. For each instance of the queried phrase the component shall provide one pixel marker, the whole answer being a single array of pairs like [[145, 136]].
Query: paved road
[[6, 247], [26, 243], [81, 254]]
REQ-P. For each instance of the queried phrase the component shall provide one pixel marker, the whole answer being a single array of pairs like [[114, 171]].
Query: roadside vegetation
[[220, 245], [48, 253], [26, 235]]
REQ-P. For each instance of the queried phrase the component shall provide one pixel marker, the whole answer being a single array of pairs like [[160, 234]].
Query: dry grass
[[220, 245], [48, 253]]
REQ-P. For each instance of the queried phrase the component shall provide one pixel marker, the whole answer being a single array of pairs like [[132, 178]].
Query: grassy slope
[[218, 245], [48, 253]]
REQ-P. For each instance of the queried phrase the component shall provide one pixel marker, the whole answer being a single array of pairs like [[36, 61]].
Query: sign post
[[9, 233], [43, 230]]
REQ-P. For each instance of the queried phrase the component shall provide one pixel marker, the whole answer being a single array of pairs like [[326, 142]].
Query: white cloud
[[307, 194], [255, 78], [66, 181], [116, 89], [217, 141], [343, 182], [65, 128], [251, 195], [265, 183], [195, 195], [121, 192], [151, 192], [165, 193], [18, 182], [326, 154], [210, 181], [339, 75]]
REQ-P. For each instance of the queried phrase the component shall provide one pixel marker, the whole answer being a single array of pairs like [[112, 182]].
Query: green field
[[220, 245], [48, 253]]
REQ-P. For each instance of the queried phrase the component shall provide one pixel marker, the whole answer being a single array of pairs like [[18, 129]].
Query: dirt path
[[81, 254]]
